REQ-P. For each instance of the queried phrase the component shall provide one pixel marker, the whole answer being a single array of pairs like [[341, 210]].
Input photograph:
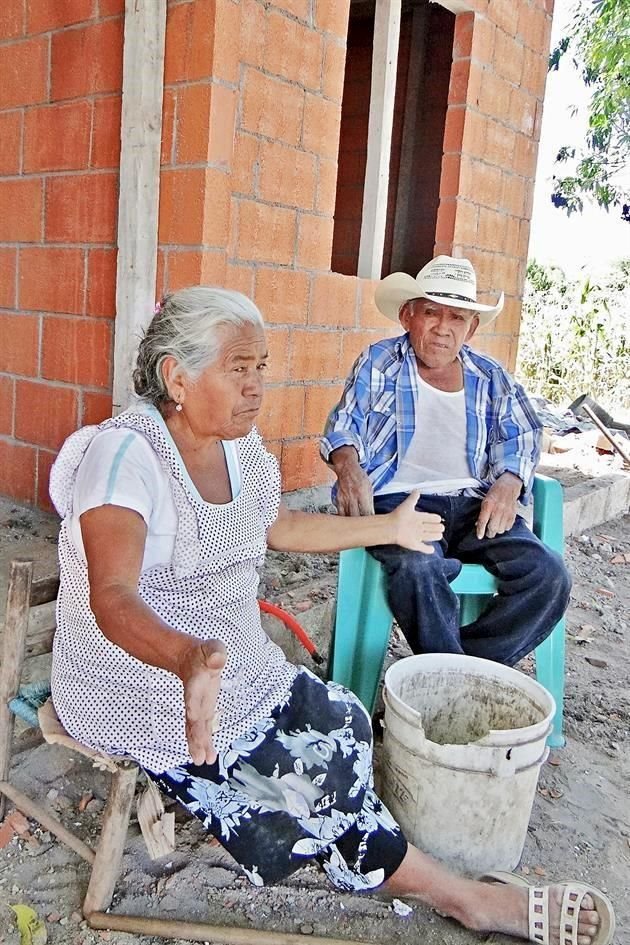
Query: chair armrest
[[548, 512]]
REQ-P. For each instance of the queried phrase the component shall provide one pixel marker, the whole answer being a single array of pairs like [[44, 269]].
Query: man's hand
[[354, 489], [498, 509], [200, 673]]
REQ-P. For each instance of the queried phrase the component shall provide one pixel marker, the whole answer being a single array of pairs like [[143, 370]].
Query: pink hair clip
[[157, 308]]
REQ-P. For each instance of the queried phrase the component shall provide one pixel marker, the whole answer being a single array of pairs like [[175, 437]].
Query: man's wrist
[[344, 459]]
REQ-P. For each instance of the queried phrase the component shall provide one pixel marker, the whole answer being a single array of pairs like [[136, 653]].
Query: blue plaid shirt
[[377, 414]]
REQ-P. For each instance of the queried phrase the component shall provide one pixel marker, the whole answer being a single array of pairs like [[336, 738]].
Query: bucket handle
[[504, 764]]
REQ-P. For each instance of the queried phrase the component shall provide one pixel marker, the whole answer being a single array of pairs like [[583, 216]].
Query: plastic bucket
[[463, 744]]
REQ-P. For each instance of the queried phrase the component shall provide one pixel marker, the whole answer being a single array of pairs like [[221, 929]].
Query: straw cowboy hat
[[446, 280]]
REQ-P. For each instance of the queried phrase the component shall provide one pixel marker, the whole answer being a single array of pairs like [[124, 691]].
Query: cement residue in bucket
[[457, 708]]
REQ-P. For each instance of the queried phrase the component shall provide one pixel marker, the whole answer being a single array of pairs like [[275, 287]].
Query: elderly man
[[423, 411]]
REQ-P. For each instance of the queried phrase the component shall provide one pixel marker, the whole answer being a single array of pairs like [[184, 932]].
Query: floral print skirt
[[299, 785]]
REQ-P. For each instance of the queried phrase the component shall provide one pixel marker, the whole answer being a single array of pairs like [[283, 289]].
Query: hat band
[[452, 295]]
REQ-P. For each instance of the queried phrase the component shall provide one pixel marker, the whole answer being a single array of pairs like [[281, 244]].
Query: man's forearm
[[344, 459]]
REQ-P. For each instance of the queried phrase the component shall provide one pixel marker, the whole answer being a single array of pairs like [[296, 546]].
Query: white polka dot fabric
[[106, 698]]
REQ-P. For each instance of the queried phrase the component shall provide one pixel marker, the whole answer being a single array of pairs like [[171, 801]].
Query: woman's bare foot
[[483, 906]]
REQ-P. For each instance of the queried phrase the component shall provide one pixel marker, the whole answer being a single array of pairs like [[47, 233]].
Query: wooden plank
[[48, 821], [44, 590], [13, 642], [382, 95], [141, 134]]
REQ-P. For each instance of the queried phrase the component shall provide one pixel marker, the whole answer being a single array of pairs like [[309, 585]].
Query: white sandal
[[573, 894]]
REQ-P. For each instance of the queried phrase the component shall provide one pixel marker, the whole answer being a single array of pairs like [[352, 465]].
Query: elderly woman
[[159, 653]]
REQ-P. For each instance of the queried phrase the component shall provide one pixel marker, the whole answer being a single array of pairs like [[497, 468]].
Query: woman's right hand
[[200, 672], [412, 529]]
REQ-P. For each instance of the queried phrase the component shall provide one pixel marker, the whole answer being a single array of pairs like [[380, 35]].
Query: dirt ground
[[580, 826]]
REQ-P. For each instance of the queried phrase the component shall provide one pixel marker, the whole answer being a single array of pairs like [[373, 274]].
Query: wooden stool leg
[[13, 646], [111, 845]]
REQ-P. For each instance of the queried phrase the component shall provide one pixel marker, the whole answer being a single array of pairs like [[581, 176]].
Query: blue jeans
[[533, 594]]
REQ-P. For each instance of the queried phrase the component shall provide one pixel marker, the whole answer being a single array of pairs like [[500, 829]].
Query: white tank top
[[436, 461]]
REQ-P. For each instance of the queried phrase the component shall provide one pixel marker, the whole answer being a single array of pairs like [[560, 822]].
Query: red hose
[[291, 624]]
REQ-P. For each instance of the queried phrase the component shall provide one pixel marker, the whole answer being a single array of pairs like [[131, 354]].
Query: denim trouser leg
[[534, 585], [418, 586]]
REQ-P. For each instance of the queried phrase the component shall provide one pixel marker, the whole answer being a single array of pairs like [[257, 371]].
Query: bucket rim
[[487, 668]]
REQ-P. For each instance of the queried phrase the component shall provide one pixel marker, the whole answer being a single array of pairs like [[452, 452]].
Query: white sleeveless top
[[436, 461], [111, 701]]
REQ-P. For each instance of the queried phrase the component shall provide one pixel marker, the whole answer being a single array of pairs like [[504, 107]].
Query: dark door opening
[[423, 74]]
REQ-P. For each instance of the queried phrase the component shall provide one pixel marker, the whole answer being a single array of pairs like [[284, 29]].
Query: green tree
[[598, 41]]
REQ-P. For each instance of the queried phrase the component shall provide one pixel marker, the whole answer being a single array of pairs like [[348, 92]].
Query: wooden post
[[382, 95], [111, 845], [13, 646], [141, 134]]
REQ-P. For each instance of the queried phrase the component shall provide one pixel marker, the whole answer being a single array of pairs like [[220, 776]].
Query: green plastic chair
[[363, 619]]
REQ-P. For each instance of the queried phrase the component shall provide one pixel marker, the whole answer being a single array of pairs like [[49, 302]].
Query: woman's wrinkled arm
[[114, 540]]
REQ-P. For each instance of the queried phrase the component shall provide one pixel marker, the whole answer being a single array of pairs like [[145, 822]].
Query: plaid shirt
[[377, 415]]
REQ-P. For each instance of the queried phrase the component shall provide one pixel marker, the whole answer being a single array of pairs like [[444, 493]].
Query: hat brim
[[399, 287]]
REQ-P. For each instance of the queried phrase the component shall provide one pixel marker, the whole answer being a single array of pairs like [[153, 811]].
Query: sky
[[589, 241]]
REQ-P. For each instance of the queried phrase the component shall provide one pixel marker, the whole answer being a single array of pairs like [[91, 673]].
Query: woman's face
[[226, 399]]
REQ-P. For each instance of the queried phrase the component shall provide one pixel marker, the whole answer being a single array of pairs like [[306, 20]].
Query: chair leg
[[109, 852], [550, 674], [13, 646]]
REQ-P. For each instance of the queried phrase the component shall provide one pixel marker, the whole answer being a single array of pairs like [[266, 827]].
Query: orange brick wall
[[251, 121], [60, 79]]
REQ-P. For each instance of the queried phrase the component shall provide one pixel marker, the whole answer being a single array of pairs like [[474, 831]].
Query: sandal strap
[[539, 915], [570, 913]]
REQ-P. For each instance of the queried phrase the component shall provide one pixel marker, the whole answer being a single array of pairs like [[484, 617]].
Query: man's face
[[437, 332]]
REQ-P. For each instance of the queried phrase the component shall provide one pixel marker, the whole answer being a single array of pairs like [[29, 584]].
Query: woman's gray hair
[[184, 327]]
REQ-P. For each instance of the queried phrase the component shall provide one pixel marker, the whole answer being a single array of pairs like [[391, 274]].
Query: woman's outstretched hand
[[200, 673], [413, 529]]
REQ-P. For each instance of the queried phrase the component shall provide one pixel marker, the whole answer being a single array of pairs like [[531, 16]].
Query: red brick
[[217, 206], [505, 14], [315, 238], [190, 41], [354, 342], [45, 15], [454, 129], [88, 60], [278, 349], [482, 45], [293, 51], [508, 57], [491, 229], [314, 355], [333, 300], [326, 187], [450, 176], [77, 350], [168, 126], [240, 279], [500, 144], [513, 197], [253, 33], [18, 471], [8, 271], [494, 96], [106, 132], [21, 210], [7, 395], [52, 280], [44, 414], [319, 402], [446, 220], [322, 121], [11, 19], [45, 459], [222, 126], [101, 283], [96, 407], [369, 315], [332, 16], [458, 85], [20, 342], [213, 268], [193, 123], [301, 464], [533, 28], [111, 7], [534, 72], [496, 346], [57, 137], [466, 222], [245, 164], [82, 208], [286, 176], [266, 234], [282, 295], [523, 109], [182, 269], [11, 137], [462, 39], [281, 414], [24, 73], [272, 108], [226, 63], [299, 8], [333, 69], [182, 194], [524, 157]]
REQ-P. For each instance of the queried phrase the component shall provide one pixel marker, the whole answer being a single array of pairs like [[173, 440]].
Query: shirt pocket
[[381, 421]]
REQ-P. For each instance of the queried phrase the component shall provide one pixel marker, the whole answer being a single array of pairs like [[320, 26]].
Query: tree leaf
[[31, 928]]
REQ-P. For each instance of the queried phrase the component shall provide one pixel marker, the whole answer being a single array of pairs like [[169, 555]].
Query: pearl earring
[[178, 408]]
